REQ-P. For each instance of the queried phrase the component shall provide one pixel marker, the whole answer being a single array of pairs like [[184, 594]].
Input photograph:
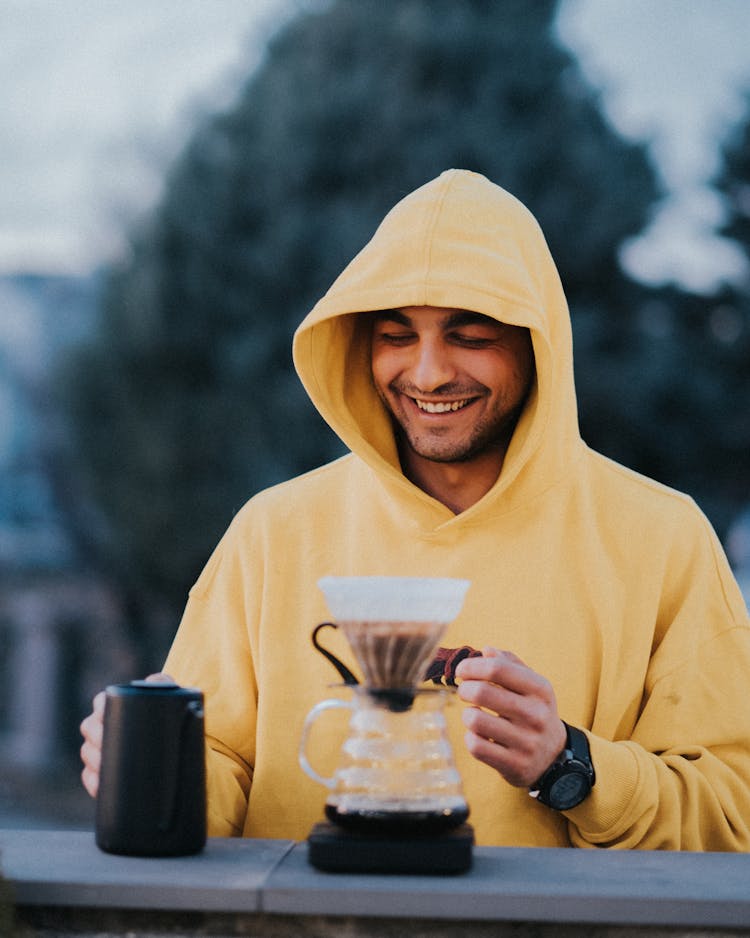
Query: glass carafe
[[396, 772]]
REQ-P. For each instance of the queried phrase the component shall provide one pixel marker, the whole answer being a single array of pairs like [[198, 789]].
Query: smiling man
[[442, 357]]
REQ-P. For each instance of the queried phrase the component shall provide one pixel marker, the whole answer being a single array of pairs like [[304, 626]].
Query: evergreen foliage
[[733, 181], [187, 402], [722, 345], [687, 378]]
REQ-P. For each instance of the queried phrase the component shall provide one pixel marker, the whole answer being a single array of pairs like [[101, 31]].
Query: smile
[[441, 407]]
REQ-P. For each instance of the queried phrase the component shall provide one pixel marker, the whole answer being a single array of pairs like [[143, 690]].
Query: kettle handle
[[193, 710], [312, 716]]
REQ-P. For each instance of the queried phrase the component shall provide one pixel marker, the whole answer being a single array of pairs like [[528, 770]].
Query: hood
[[462, 242]]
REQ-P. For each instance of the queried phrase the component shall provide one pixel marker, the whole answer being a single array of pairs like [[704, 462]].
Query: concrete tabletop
[[66, 868], [533, 884], [59, 868]]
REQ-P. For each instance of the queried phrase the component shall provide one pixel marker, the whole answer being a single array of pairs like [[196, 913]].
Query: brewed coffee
[[392, 654], [398, 823]]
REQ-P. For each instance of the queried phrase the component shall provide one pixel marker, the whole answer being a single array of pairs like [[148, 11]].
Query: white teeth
[[440, 408]]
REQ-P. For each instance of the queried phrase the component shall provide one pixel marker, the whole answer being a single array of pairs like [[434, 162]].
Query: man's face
[[454, 381]]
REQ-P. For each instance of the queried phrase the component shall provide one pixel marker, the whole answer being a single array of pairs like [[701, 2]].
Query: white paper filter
[[394, 598]]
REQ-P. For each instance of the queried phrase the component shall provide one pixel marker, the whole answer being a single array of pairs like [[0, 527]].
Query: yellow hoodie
[[612, 586]]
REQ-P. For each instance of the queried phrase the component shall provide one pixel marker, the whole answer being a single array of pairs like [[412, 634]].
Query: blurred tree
[[733, 181], [186, 403], [687, 380], [687, 377], [722, 337]]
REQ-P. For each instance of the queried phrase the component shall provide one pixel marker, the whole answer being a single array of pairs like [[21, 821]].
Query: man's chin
[[450, 459], [450, 453], [454, 452]]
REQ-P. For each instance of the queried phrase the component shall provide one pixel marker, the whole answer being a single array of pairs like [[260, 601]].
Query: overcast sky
[[98, 95]]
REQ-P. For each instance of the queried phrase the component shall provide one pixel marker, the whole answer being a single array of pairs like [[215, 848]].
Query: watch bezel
[[573, 762]]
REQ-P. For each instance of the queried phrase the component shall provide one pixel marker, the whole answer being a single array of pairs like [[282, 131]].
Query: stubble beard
[[491, 433]]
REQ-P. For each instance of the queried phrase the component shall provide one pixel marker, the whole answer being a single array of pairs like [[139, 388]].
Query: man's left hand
[[512, 723]]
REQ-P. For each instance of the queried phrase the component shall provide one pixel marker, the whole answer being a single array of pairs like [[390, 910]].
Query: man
[[442, 357]]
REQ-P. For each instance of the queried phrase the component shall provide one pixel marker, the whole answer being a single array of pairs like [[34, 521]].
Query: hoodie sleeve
[[682, 779], [212, 651]]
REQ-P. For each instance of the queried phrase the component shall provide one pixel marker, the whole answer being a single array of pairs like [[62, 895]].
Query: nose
[[432, 365]]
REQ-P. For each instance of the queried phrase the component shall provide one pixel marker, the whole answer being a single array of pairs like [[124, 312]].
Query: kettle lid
[[152, 688]]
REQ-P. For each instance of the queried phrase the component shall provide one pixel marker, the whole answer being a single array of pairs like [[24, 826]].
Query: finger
[[160, 678], [491, 652], [503, 653], [492, 659], [517, 708], [504, 670], [500, 729], [498, 757], [517, 757], [90, 781], [91, 756], [92, 728]]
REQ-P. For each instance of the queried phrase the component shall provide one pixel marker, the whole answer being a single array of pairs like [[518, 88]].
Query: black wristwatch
[[571, 776]]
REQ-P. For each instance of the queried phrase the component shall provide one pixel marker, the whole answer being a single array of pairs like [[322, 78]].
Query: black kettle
[[152, 780]]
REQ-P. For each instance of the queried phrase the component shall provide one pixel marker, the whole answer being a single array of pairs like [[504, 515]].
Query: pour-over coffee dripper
[[393, 624], [396, 784]]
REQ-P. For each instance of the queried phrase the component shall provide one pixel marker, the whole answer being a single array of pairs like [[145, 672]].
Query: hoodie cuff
[[227, 789], [605, 814]]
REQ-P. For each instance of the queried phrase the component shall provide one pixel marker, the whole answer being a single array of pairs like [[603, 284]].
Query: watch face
[[569, 790]]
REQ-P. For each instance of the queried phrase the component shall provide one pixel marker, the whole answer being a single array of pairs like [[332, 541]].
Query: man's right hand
[[92, 730]]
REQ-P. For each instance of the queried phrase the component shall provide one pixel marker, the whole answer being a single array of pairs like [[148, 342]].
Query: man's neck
[[458, 485]]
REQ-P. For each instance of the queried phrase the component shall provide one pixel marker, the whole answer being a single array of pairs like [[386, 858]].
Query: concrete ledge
[[66, 868], [62, 876], [542, 885]]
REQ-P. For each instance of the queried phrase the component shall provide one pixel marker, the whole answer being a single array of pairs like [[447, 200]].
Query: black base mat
[[336, 850]]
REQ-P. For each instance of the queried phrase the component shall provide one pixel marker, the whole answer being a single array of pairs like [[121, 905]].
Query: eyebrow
[[461, 317], [465, 317], [392, 315]]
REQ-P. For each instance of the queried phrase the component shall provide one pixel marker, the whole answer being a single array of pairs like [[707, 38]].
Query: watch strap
[[578, 744]]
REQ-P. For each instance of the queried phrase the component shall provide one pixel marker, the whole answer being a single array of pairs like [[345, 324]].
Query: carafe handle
[[312, 716]]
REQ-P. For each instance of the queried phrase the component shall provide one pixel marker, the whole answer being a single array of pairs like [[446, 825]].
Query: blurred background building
[[183, 180]]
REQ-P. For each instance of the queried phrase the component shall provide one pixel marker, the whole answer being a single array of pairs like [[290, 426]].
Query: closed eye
[[472, 341], [396, 338]]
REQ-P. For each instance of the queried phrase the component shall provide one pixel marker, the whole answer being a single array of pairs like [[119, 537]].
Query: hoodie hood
[[461, 242]]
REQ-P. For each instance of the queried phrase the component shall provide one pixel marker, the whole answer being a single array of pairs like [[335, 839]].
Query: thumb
[[504, 653]]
